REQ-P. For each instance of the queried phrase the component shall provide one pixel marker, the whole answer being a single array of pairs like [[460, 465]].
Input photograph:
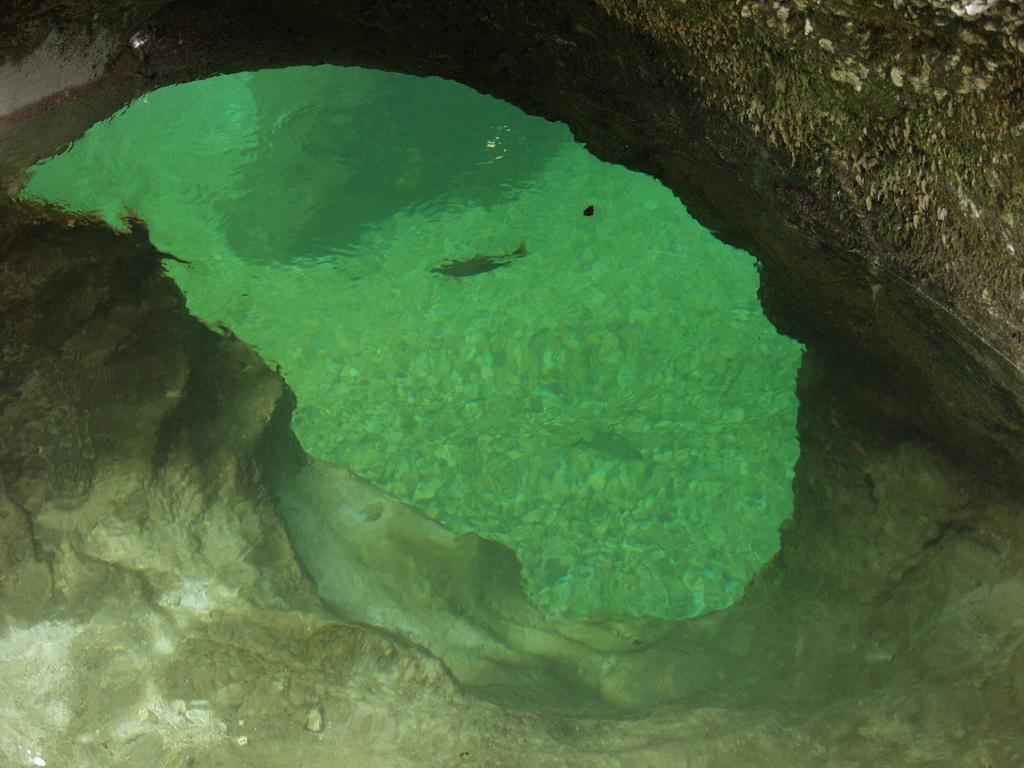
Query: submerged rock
[[315, 720]]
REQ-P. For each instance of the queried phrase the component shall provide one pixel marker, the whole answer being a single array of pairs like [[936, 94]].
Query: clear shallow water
[[613, 406]]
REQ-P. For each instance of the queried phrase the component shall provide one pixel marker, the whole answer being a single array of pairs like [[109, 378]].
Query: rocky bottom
[[156, 614]]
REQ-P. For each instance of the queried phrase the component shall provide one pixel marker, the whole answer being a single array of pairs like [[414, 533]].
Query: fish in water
[[479, 263], [610, 443]]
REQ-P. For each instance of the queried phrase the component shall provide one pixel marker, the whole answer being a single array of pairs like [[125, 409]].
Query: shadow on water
[[371, 144]]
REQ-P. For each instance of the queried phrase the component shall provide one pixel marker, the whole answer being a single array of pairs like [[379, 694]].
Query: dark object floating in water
[[479, 263], [588, 211]]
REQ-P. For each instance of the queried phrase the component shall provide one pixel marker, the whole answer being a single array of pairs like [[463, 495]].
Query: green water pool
[[612, 404]]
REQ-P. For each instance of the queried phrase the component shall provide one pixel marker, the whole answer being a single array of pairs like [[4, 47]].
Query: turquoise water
[[610, 401]]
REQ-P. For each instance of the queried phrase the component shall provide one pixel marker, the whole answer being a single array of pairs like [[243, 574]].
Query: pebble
[[315, 720]]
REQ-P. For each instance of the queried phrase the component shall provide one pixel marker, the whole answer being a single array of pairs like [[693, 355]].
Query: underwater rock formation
[[155, 610]]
